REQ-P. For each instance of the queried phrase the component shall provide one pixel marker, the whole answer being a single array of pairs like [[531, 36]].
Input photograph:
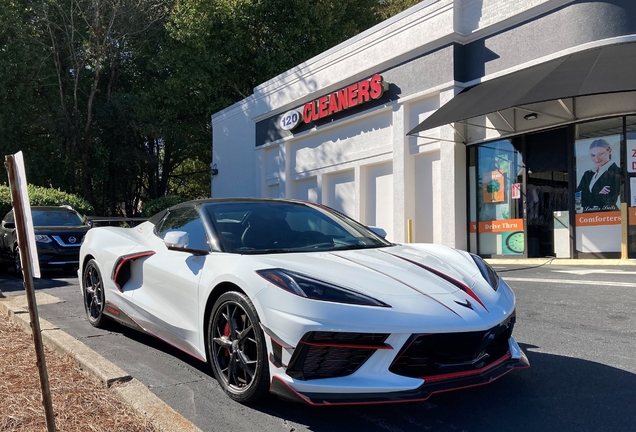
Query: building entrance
[[546, 203]]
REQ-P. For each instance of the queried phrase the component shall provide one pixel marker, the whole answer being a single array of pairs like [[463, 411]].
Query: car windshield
[[280, 227], [51, 218]]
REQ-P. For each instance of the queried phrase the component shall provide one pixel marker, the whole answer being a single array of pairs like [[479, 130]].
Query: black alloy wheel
[[93, 290], [236, 348]]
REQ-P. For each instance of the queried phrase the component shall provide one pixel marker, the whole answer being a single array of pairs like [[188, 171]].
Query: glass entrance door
[[547, 217]]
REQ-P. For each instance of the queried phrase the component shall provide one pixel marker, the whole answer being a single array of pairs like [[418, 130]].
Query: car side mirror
[[177, 240], [9, 225], [377, 230]]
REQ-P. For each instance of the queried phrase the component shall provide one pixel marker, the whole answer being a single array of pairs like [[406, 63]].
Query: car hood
[[389, 271]]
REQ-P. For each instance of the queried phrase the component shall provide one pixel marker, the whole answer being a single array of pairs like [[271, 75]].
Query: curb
[[127, 389], [562, 261]]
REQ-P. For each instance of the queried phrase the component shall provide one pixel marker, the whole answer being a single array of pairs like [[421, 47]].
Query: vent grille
[[333, 354], [429, 355]]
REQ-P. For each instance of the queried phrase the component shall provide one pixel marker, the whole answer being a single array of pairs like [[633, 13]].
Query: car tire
[[17, 264], [236, 348], [93, 294]]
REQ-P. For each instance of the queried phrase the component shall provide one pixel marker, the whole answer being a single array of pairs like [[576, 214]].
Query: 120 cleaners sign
[[325, 106]]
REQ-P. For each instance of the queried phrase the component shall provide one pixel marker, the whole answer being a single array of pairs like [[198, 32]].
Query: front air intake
[[333, 354], [443, 354]]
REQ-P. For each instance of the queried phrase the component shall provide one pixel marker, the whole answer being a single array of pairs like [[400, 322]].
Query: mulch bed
[[80, 403]]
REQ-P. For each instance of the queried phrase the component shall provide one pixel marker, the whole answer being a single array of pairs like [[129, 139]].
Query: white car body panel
[[167, 294]]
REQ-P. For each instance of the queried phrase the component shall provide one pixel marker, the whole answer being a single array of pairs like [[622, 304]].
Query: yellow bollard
[[624, 225]]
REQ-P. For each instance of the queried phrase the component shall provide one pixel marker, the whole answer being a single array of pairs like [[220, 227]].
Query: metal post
[[409, 230], [27, 273]]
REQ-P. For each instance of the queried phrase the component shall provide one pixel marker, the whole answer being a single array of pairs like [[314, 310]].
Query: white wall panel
[[339, 192], [379, 197], [272, 191], [306, 189], [428, 205], [348, 142], [236, 162]]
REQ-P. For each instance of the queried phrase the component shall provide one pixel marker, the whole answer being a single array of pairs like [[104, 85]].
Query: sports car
[[299, 300]]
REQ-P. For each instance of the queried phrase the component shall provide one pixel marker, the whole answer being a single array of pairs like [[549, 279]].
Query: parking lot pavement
[[576, 325]]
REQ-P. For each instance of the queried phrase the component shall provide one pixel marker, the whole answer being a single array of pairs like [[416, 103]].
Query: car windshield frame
[[268, 227]]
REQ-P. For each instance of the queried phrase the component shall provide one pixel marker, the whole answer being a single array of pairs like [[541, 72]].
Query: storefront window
[[599, 182], [499, 224]]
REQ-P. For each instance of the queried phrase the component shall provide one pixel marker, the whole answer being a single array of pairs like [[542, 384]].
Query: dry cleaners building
[[504, 127]]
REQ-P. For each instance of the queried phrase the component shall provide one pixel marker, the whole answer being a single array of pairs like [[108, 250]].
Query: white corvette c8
[[296, 299]]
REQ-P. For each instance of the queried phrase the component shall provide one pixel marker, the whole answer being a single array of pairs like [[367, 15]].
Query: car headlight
[[43, 238], [487, 271], [309, 287]]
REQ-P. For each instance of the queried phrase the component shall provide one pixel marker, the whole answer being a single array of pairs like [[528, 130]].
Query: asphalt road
[[576, 324]]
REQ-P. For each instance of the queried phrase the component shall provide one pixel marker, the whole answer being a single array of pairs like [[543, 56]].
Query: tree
[[111, 99], [252, 41], [89, 41]]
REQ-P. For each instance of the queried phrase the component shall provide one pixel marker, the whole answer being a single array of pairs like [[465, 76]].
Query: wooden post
[[409, 230], [27, 273]]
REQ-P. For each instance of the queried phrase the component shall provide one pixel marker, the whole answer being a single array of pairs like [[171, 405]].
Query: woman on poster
[[600, 187]]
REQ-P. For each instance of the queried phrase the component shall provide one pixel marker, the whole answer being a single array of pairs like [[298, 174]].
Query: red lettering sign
[[355, 94], [322, 103], [376, 85]]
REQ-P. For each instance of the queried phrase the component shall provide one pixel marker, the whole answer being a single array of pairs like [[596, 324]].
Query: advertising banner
[[598, 174], [493, 187], [631, 154]]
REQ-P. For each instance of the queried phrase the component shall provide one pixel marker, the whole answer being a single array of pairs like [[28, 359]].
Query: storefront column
[[453, 183], [359, 184], [404, 185], [285, 171]]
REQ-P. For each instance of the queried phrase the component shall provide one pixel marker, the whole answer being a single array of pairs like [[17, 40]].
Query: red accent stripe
[[454, 375], [309, 402], [462, 286], [344, 345], [124, 260]]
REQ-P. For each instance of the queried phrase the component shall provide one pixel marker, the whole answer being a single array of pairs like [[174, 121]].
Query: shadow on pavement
[[12, 285], [556, 394]]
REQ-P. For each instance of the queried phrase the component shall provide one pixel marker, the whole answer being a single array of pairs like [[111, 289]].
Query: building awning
[[597, 71]]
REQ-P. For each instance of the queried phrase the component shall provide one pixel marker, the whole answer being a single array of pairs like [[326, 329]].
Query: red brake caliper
[[226, 332]]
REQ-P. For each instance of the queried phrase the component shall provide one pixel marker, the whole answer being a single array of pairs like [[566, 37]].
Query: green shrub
[[154, 206], [41, 196]]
